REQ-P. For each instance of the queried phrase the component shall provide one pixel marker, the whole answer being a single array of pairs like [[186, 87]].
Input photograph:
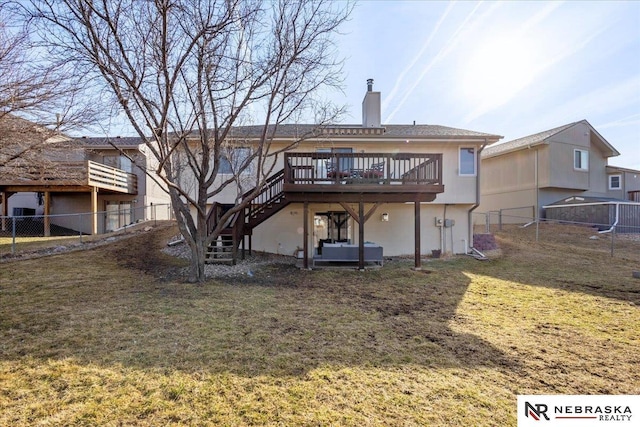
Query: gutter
[[477, 203]]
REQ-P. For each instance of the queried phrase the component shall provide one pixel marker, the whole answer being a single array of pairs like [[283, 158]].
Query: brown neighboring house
[[72, 176]]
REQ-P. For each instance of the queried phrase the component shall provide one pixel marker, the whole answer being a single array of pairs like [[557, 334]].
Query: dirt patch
[[143, 252]]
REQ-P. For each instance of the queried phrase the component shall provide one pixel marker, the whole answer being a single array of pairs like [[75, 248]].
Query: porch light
[[385, 217]]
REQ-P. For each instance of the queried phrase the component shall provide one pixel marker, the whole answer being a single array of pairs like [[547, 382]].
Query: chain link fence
[[32, 232], [606, 238]]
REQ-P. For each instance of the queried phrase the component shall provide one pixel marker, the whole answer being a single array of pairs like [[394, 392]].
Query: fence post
[[80, 226], [13, 235], [500, 220], [613, 236], [487, 225]]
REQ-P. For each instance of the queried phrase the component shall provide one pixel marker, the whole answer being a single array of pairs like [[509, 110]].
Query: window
[[615, 182], [467, 161], [232, 160], [581, 160], [118, 214], [118, 162]]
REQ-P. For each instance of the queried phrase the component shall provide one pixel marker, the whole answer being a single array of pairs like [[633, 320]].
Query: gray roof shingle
[[121, 142], [387, 131], [305, 130], [527, 141]]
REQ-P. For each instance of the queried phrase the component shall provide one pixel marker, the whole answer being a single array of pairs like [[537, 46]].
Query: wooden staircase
[[269, 201]]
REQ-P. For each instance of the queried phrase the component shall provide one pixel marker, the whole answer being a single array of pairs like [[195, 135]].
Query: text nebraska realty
[[601, 413]]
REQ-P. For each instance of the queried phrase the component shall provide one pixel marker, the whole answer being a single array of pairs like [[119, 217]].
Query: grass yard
[[111, 336]]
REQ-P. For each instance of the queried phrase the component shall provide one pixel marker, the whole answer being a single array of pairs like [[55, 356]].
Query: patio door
[[343, 164], [331, 227], [118, 214]]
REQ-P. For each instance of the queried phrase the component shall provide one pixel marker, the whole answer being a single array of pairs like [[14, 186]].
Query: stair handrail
[[212, 217], [423, 174], [272, 189]]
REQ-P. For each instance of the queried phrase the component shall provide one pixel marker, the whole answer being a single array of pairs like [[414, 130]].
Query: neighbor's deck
[[71, 177]]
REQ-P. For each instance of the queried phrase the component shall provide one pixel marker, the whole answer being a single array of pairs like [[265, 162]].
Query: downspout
[[477, 203], [443, 232], [615, 223]]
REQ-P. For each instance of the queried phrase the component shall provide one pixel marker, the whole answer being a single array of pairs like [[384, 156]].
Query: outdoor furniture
[[342, 252], [333, 172], [375, 171], [373, 174]]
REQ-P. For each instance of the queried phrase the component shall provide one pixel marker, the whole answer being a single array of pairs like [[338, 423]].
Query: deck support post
[[47, 212], [4, 200], [418, 265], [361, 221], [94, 210], [305, 241]]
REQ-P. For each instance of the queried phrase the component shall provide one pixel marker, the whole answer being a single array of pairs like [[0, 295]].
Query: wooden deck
[[73, 177], [362, 177]]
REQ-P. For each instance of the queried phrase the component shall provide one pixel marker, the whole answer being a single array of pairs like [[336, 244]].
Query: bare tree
[[38, 100], [187, 73], [30, 152]]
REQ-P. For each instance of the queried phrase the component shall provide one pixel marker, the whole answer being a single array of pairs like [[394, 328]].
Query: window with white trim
[[615, 182], [581, 160], [467, 161], [233, 160]]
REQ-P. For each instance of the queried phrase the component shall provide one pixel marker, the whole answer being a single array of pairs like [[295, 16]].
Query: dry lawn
[[112, 336]]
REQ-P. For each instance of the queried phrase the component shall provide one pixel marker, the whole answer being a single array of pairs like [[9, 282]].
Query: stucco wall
[[283, 233]]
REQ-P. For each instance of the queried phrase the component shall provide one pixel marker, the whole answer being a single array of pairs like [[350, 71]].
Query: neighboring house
[[60, 175], [624, 183], [410, 189], [520, 177]]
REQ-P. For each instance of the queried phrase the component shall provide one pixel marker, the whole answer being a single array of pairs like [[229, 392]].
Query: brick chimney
[[371, 116]]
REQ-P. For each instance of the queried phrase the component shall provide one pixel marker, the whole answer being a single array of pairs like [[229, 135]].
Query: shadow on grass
[[281, 322]]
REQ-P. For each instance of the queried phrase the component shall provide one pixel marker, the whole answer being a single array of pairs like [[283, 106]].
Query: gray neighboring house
[[521, 176]]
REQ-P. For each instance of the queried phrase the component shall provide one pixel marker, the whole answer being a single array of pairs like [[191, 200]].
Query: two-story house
[[522, 176], [410, 189], [56, 176]]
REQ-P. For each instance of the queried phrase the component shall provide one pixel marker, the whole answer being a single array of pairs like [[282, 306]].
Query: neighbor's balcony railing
[[110, 178], [363, 168], [71, 173], [634, 196]]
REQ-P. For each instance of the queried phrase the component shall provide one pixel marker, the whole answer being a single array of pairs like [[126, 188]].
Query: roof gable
[[542, 138]]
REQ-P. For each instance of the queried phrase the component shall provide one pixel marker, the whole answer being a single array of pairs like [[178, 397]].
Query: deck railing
[[363, 168], [634, 196], [110, 178]]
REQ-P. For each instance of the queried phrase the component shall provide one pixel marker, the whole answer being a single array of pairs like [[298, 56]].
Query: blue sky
[[507, 68]]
